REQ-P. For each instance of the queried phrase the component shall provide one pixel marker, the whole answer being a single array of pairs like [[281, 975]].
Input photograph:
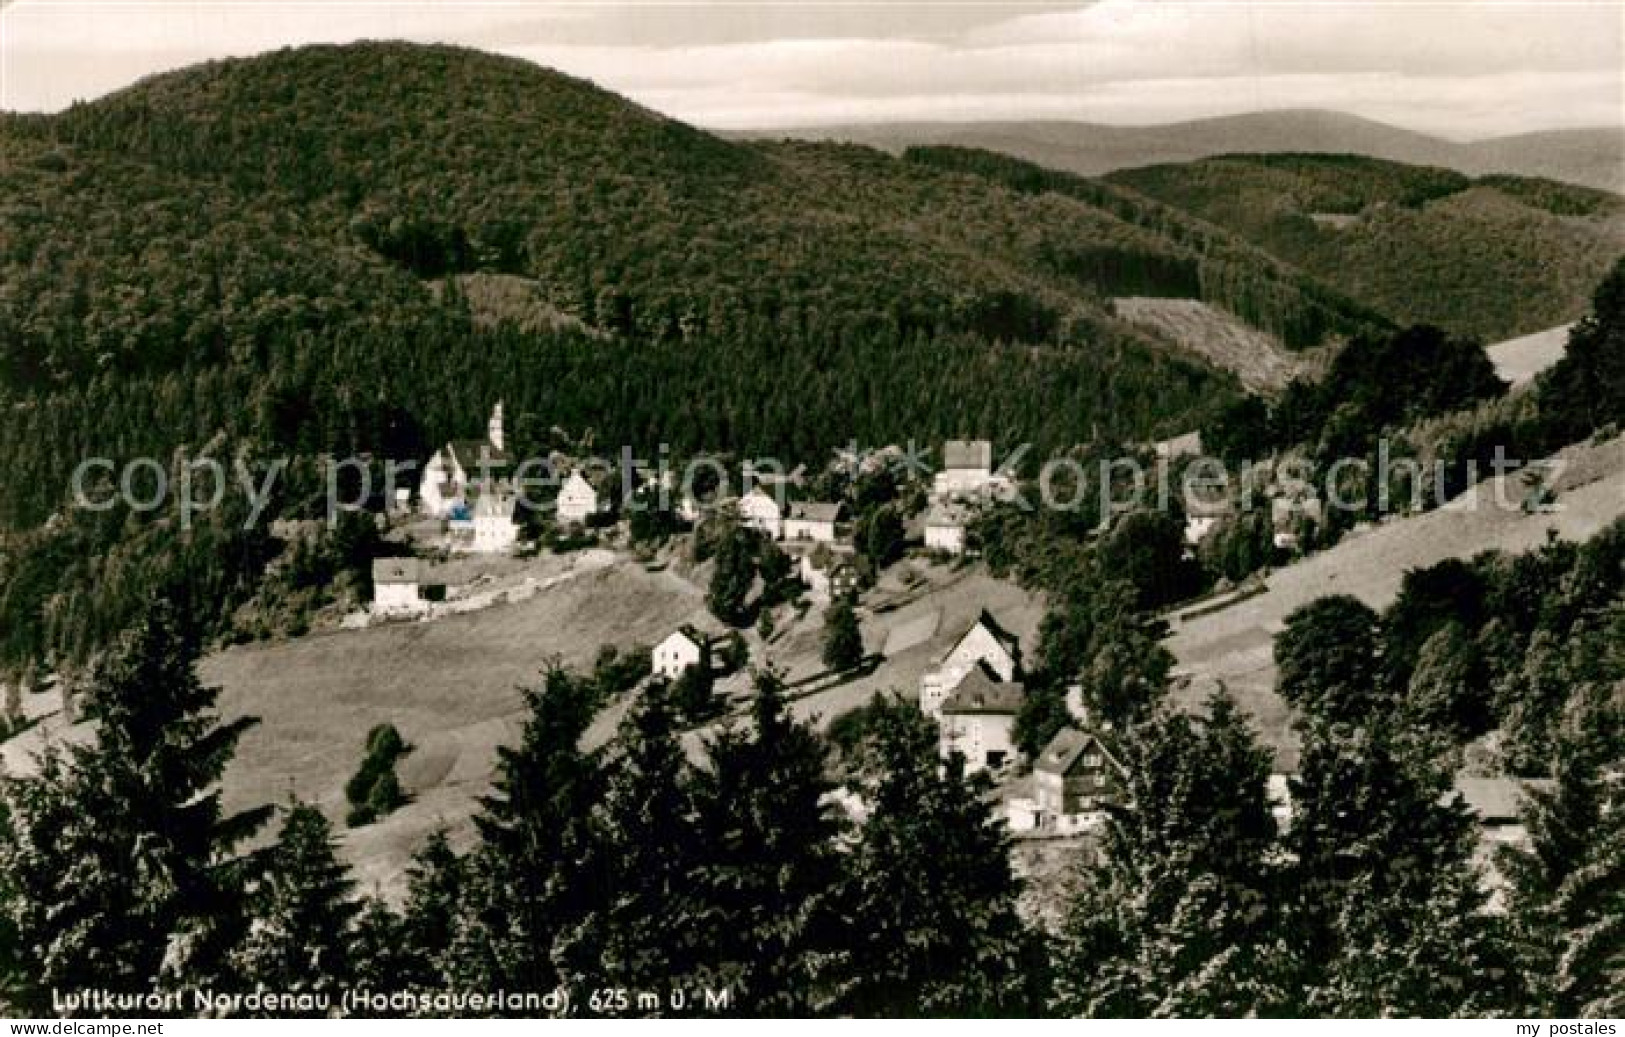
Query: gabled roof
[[468, 452], [1179, 446], [395, 570], [1011, 643], [947, 513], [979, 693], [688, 633], [1495, 800], [974, 454], [1067, 748], [759, 496], [494, 505], [577, 481], [815, 511]]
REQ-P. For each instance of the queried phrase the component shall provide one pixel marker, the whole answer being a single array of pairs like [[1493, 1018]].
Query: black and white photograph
[[594, 510]]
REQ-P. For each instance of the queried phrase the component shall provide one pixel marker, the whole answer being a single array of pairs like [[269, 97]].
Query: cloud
[[1457, 67]]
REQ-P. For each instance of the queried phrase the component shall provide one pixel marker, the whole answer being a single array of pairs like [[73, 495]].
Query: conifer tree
[[301, 940], [531, 879], [125, 867], [927, 895], [733, 577], [435, 888], [642, 930], [768, 842], [1177, 920], [843, 640], [1568, 883], [379, 953]]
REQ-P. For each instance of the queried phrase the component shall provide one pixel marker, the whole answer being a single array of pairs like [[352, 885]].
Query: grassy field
[[1234, 645], [1519, 360], [451, 686]]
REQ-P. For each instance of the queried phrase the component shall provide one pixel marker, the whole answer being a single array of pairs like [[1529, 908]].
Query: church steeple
[[493, 429]]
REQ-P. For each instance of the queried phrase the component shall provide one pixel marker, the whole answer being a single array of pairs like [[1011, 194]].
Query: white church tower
[[493, 428]]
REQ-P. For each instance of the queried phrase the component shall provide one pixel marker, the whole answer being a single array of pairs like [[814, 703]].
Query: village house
[[978, 719], [1187, 445], [967, 468], [396, 588], [946, 525], [812, 520], [985, 644], [828, 572], [579, 500], [461, 466], [682, 648], [1497, 803], [1074, 776], [495, 531], [759, 510]]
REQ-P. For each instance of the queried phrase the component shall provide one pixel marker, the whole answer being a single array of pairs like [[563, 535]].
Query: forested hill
[[443, 160], [1493, 257], [273, 229]]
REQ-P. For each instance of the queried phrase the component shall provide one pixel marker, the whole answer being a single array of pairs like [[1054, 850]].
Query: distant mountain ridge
[[1590, 157]]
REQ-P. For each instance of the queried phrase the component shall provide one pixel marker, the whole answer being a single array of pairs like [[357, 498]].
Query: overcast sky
[[1463, 68]]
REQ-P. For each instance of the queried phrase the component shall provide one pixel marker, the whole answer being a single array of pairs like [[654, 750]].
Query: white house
[[682, 648], [1187, 445], [689, 509], [460, 464], [578, 500], [828, 572], [978, 720], [760, 511], [984, 644], [812, 520], [945, 527], [495, 530], [967, 467], [967, 472], [396, 589]]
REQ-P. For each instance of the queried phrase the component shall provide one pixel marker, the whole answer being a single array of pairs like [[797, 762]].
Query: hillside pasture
[[1234, 646]]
